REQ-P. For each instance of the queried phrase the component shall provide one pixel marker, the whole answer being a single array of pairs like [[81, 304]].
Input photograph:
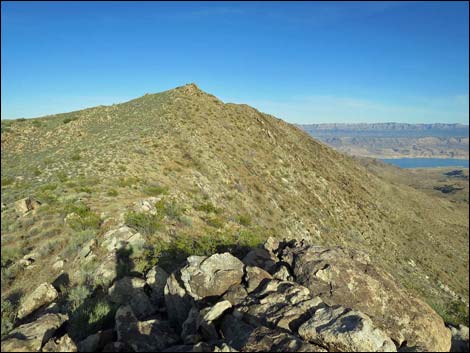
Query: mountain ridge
[[221, 170]]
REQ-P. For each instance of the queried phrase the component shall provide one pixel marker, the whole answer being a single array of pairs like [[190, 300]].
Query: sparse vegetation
[[145, 223]]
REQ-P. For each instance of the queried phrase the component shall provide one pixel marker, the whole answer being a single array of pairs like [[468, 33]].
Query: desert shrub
[[8, 317], [48, 248], [91, 316], [68, 120], [86, 219], [10, 255], [155, 190], [215, 222], [76, 296], [455, 312], [126, 182], [208, 208], [62, 176], [75, 157], [244, 220], [75, 241], [112, 192], [145, 223], [173, 210], [7, 181]]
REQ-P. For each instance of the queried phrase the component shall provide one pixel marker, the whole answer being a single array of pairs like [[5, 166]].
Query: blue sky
[[303, 62]]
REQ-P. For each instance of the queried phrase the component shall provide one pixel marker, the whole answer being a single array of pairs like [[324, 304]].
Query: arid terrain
[[194, 175]]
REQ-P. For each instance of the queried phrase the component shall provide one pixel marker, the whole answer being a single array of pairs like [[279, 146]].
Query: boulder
[[62, 344], [348, 278], [459, 339], [122, 238], [130, 290], [58, 265], [156, 279], [345, 330], [247, 338], [31, 337], [96, 342], [254, 276], [236, 294], [107, 270], [87, 249], [44, 294], [25, 205], [261, 258], [178, 302], [212, 276], [146, 206], [279, 304], [143, 336]]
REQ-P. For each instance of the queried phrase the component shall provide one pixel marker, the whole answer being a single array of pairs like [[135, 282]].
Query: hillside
[[219, 174], [394, 140]]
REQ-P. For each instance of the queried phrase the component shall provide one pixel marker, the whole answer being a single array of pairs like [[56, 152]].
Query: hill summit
[[187, 170]]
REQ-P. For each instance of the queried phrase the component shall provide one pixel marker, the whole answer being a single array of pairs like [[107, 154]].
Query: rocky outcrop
[[284, 296], [44, 294], [31, 337], [62, 344], [25, 205], [348, 278], [130, 291], [156, 279]]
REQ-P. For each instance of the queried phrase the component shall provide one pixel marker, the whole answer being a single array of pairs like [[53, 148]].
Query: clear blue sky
[[303, 62]]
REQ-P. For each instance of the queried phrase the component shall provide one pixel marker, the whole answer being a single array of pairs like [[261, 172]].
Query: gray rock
[[348, 278], [261, 258], [130, 290], [96, 342], [281, 304], [25, 205], [62, 344], [156, 278], [30, 337], [345, 330], [143, 336], [459, 339], [243, 337], [254, 276], [236, 294], [107, 270], [122, 238], [178, 302], [44, 294], [189, 332], [212, 276]]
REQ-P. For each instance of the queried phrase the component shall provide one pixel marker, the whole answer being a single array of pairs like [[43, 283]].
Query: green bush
[[8, 317], [90, 317], [244, 220], [155, 190], [145, 223], [77, 296], [208, 208], [112, 193], [86, 218], [7, 181]]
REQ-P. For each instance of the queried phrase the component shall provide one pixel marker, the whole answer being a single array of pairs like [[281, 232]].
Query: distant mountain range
[[395, 140]]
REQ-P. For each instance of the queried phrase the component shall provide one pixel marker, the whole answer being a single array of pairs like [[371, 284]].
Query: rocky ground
[[281, 296]]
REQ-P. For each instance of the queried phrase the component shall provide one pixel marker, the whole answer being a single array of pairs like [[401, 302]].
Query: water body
[[427, 162]]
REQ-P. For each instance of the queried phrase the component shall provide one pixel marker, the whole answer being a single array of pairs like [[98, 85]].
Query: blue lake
[[427, 162]]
